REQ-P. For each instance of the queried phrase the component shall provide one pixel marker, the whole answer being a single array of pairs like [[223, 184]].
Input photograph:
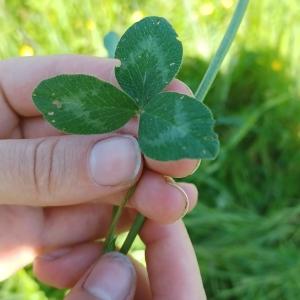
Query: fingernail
[[169, 179], [55, 254], [196, 168], [115, 161], [185, 197], [112, 278]]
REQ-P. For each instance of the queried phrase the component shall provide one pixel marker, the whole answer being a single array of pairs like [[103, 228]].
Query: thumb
[[66, 170], [112, 277]]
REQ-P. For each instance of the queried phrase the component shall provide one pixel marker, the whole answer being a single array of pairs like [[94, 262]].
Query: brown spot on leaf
[[57, 103]]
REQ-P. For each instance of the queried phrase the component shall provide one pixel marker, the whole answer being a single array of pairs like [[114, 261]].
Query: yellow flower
[[207, 9], [227, 3], [90, 25], [136, 16], [26, 50], [276, 65]]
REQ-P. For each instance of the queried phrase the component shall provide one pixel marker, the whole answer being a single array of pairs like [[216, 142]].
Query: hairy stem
[[226, 42], [134, 230], [109, 244]]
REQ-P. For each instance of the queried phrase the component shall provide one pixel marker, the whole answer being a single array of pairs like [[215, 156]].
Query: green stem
[[134, 230], [226, 42], [200, 94], [109, 244]]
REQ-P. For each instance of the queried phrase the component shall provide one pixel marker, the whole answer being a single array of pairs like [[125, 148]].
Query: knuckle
[[10, 120], [44, 167]]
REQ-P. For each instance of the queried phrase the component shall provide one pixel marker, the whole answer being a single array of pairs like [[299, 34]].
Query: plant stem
[[225, 44], [134, 230], [200, 94], [109, 244]]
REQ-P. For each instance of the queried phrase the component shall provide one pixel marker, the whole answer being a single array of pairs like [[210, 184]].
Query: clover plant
[[172, 126]]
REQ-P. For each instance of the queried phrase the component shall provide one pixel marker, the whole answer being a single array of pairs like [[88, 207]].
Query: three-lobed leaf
[[172, 126], [150, 56], [175, 126], [83, 104]]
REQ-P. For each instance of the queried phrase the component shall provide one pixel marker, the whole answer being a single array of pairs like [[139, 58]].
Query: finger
[[180, 168], [17, 86], [64, 267], [69, 225], [66, 170], [171, 262], [13, 259], [37, 127], [161, 199], [65, 226], [112, 277], [39, 173], [41, 231], [192, 193], [143, 290], [9, 120], [76, 224], [16, 133], [178, 86]]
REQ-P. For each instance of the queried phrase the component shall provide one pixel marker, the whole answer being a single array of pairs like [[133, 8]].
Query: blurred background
[[246, 229]]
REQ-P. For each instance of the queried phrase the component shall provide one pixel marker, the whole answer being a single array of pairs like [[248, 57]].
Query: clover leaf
[[172, 126], [83, 104], [150, 56], [175, 126]]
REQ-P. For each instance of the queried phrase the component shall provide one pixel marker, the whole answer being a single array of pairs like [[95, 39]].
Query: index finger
[[19, 76]]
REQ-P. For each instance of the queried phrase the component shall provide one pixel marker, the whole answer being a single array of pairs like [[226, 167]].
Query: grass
[[246, 229]]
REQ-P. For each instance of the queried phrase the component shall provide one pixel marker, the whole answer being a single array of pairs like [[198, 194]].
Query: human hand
[[172, 270], [56, 191]]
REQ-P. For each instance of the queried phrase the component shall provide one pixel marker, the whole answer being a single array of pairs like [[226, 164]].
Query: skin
[[37, 218]]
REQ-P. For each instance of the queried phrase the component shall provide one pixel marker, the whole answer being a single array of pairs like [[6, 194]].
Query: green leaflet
[[83, 104], [175, 126], [150, 56]]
